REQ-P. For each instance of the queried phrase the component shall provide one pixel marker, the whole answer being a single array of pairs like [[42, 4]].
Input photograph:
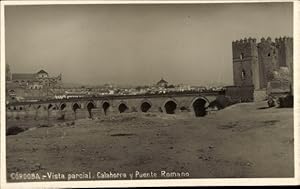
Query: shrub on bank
[[221, 102], [14, 130], [286, 102]]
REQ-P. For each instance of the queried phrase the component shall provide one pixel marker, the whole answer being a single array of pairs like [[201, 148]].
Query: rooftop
[[162, 81], [42, 72]]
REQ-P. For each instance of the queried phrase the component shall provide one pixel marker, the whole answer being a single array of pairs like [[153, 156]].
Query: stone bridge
[[88, 107]]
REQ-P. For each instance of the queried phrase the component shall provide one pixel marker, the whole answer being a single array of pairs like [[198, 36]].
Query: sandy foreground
[[244, 140]]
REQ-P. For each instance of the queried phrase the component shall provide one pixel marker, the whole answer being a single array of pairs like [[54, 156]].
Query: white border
[[158, 182], [78, 2], [296, 65], [2, 100]]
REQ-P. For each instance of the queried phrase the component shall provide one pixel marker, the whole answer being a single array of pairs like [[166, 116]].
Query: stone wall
[[240, 93], [260, 95]]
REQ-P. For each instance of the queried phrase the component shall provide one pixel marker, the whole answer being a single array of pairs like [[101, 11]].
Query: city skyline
[[137, 44]]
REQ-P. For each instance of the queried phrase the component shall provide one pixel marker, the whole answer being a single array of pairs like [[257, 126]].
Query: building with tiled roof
[[42, 72]]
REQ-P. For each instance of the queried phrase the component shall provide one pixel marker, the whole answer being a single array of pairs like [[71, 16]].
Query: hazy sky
[[137, 44]]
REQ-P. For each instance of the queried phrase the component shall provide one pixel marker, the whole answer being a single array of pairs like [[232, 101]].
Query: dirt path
[[244, 140]]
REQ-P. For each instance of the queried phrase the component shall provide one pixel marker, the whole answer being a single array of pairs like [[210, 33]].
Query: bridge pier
[[9, 114], [21, 114], [80, 114], [31, 112], [14, 114], [53, 114], [96, 112]]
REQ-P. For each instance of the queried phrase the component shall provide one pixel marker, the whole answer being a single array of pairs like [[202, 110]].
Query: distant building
[[42, 74], [183, 87], [162, 83], [37, 80], [31, 86]]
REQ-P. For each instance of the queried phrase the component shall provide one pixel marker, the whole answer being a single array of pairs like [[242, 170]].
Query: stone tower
[[245, 63], [285, 53], [268, 61], [264, 64]]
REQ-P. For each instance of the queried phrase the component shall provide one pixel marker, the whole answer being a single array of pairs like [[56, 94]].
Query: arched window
[[243, 75], [242, 56]]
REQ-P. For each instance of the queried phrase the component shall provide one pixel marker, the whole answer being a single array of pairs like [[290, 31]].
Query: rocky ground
[[244, 140]]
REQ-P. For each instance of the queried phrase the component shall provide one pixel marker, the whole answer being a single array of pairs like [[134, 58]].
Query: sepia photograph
[[148, 91]]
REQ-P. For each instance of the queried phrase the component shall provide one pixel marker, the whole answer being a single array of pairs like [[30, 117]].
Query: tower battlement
[[266, 40], [244, 48], [243, 42], [283, 39]]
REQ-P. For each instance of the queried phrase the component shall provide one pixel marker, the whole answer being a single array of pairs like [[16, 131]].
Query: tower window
[[243, 75], [269, 54], [242, 56]]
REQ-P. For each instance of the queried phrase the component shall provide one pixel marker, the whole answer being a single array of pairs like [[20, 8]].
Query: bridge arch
[[145, 105], [62, 106], [38, 106], [50, 109], [123, 107], [75, 106], [199, 105], [170, 106], [50, 106], [56, 107], [90, 105], [105, 106]]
